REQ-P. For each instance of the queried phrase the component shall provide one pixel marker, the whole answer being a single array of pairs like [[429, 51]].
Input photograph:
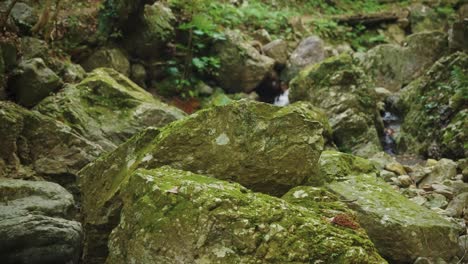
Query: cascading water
[[392, 124], [282, 99]]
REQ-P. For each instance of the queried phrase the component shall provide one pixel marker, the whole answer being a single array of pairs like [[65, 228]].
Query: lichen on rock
[[175, 216]]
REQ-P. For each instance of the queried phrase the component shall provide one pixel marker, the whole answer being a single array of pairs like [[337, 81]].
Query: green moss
[[219, 222], [386, 215]]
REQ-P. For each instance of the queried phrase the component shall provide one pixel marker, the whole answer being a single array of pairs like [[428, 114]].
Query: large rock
[[310, 51], [242, 66], [435, 111], [212, 221], [110, 58], [107, 108], [264, 147], [401, 230], [393, 66], [35, 225], [277, 50], [33, 144], [22, 15], [344, 91], [424, 18], [36, 48], [155, 29], [32, 81], [445, 169]]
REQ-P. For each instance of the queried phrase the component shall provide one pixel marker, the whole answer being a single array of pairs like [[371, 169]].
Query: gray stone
[[405, 181], [243, 68], [445, 169], [387, 175], [309, 52], [110, 58], [393, 66], [32, 82], [435, 200], [155, 30], [34, 225], [24, 17], [34, 144], [387, 215], [340, 87], [459, 205], [277, 50], [107, 108]]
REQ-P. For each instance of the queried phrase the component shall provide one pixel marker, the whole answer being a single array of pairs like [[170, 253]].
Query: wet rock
[[388, 216], [243, 68], [275, 149], [445, 169], [242, 226], [33, 144], [155, 30], [277, 50], [35, 225], [435, 117], [309, 52], [396, 168], [110, 58], [32, 81], [343, 90], [93, 107], [393, 66]]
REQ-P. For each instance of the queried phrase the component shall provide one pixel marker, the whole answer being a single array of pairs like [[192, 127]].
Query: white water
[[392, 128], [282, 99]]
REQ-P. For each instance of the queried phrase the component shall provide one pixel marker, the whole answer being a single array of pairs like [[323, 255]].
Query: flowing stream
[[282, 99], [392, 124]]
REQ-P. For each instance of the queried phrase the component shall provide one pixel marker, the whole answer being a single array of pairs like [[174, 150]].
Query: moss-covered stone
[[344, 91], [435, 110], [32, 144], [107, 108], [393, 66], [2, 76], [264, 147], [172, 216], [242, 66], [32, 81], [401, 230], [110, 58], [155, 29]]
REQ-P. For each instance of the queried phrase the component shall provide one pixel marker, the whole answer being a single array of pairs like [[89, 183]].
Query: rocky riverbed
[[233, 132]]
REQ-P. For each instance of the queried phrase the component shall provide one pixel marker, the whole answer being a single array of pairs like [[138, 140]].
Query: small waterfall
[[282, 99], [392, 124]]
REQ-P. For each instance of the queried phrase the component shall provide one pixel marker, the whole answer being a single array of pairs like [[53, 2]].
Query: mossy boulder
[[35, 145], [393, 66], [54, 58], [340, 87], [155, 29], [401, 230], [173, 216], [435, 110], [107, 108], [113, 58], [32, 81], [36, 224], [242, 66], [266, 148]]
